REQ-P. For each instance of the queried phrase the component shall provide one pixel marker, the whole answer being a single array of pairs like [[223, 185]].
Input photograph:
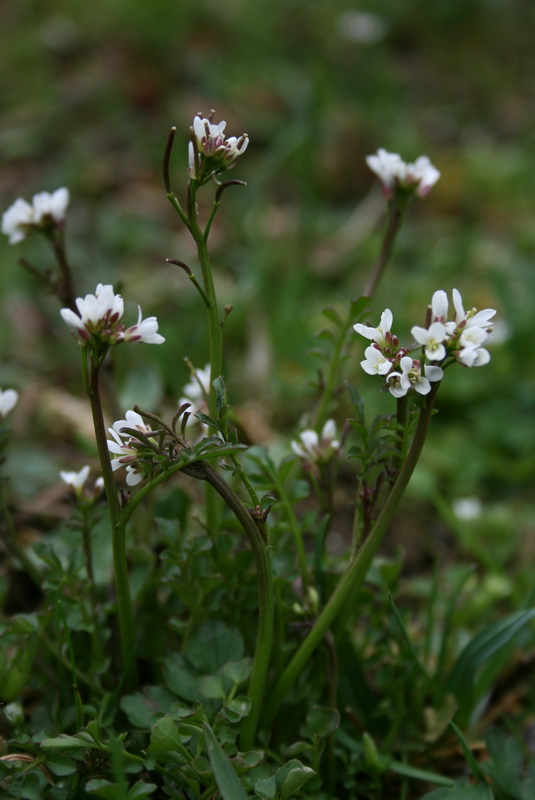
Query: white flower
[[199, 386], [75, 479], [97, 311], [474, 356], [375, 362], [393, 172], [379, 334], [467, 507], [209, 152], [16, 219], [132, 420], [432, 339], [50, 205], [411, 378], [100, 315], [195, 393], [312, 447], [145, 330], [472, 318], [21, 217], [8, 401], [125, 446], [473, 336]]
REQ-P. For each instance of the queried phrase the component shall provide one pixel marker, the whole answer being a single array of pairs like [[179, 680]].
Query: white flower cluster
[[394, 173], [317, 448], [100, 316], [209, 152], [460, 339], [126, 447], [23, 217], [8, 401]]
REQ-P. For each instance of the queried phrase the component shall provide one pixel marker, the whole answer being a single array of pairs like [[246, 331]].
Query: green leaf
[[323, 721], [60, 764], [213, 645], [463, 790], [179, 678], [419, 774], [102, 788], [409, 645], [333, 316], [291, 777], [141, 709], [211, 686], [237, 671], [221, 396], [15, 672], [27, 787], [228, 782], [140, 790], [474, 766], [66, 742], [359, 306], [505, 766], [165, 737], [489, 641], [236, 709], [266, 788]]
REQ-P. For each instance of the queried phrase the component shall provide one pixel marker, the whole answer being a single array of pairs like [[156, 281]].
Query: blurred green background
[[89, 93]]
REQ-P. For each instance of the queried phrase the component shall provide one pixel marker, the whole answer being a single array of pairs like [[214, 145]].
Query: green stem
[[332, 374], [120, 569], [394, 223], [214, 323], [203, 471], [264, 636], [296, 530], [356, 572], [63, 286]]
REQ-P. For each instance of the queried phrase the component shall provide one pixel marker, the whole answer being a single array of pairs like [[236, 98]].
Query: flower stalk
[[358, 568], [118, 527]]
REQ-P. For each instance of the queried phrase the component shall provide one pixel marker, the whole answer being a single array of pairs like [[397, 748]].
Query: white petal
[[8, 401], [439, 306]]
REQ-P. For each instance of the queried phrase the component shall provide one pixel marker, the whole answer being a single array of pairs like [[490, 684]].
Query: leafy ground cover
[[440, 631]]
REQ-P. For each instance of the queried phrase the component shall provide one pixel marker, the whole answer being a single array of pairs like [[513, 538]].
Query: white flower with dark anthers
[[50, 205], [410, 377], [100, 317], [125, 446], [393, 172], [209, 152], [145, 330], [75, 479], [8, 401], [432, 339], [100, 313], [472, 318], [382, 333], [375, 362], [312, 447]]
